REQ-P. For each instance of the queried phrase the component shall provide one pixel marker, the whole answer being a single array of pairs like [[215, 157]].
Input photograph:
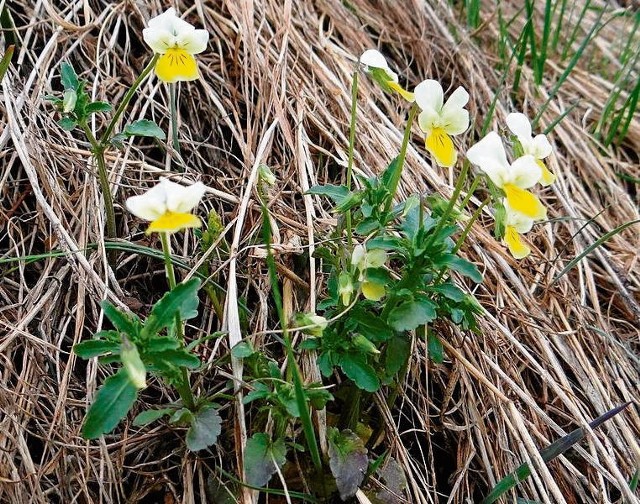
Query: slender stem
[[183, 386], [393, 185], [352, 141], [104, 139], [98, 153], [173, 112]]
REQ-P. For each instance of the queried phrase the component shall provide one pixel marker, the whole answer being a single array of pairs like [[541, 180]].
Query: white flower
[[538, 146], [516, 224], [440, 120], [489, 155], [376, 65], [168, 206], [176, 41], [362, 260]]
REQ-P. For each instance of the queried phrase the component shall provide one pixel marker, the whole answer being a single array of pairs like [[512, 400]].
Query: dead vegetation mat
[[552, 354]]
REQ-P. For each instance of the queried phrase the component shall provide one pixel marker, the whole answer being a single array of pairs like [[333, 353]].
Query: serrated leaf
[[68, 76], [348, 461], [361, 373], [336, 193], [98, 106], [259, 457], [396, 355], [146, 417], [113, 401], [435, 350], [182, 300], [449, 291], [369, 324], [205, 429], [122, 321], [161, 343], [411, 314], [95, 348], [145, 128], [67, 124], [465, 268], [178, 357]]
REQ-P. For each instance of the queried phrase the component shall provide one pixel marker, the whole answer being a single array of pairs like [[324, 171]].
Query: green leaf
[[98, 106], [182, 300], [309, 344], [396, 355], [146, 417], [370, 325], [95, 347], [68, 76], [465, 268], [178, 357], [449, 291], [161, 343], [205, 429], [145, 128], [6, 61], [262, 457], [362, 374], [67, 124], [435, 349], [113, 401], [337, 194], [391, 173], [348, 461], [122, 321], [411, 314], [242, 350]]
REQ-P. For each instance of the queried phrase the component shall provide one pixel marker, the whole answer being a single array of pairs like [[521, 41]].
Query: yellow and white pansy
[[362, 260], [516, 224], [177, 42], [538, 146], [514, 179], [377, 67], [441, 120], [168, 206]]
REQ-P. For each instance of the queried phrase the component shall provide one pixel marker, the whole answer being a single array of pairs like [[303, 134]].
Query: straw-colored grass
[[551, 355]]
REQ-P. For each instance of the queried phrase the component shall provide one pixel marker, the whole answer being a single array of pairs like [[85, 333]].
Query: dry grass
[[551, 356]]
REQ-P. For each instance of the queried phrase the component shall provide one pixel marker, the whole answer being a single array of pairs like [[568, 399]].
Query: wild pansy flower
[[176, 41], [538, 146], [516, 224], [441, 120], [168, 206], [514, 179], [377, 67], [362, 260]]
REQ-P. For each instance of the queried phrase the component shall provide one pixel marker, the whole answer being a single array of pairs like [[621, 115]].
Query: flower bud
[[345, 287], [133, 364], [364, 345], [69, 99]]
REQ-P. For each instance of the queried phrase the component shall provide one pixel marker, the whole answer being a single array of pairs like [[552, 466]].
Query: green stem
[[393, 185], [183, 386], [352, 141], [173, 112], [106, 136], [103, 178]]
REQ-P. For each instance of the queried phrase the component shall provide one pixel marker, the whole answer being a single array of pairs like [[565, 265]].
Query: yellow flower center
[[548, 177], [517, 247], [177, 65], [171, 222], [524, 202], [440, 145]]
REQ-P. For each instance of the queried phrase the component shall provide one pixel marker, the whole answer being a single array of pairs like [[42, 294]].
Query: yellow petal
[[177, 65], [547, 177], [373, 291], [171, 222], [440, 145], [524, 201], [517, 247], [401, 91]]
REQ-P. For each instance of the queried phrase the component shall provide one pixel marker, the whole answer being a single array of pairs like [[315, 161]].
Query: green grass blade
[[559, 119], [544, 43], [592, 247], [552, 451], [633, 484], [6, 61]]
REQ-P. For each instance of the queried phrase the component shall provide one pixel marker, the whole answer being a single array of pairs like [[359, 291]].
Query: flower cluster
[[522, 207]]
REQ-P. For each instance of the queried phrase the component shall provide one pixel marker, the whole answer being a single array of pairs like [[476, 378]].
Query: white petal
[[429, 95], [428, 119], [194, 41], [164, 21], [524, 172], [489, 155], [455, 121], [519, 126], [158, 40], [150, 205], [374, 59], [357, 256], [183, 199], [520, 222], [458, 99], [541, 147]]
